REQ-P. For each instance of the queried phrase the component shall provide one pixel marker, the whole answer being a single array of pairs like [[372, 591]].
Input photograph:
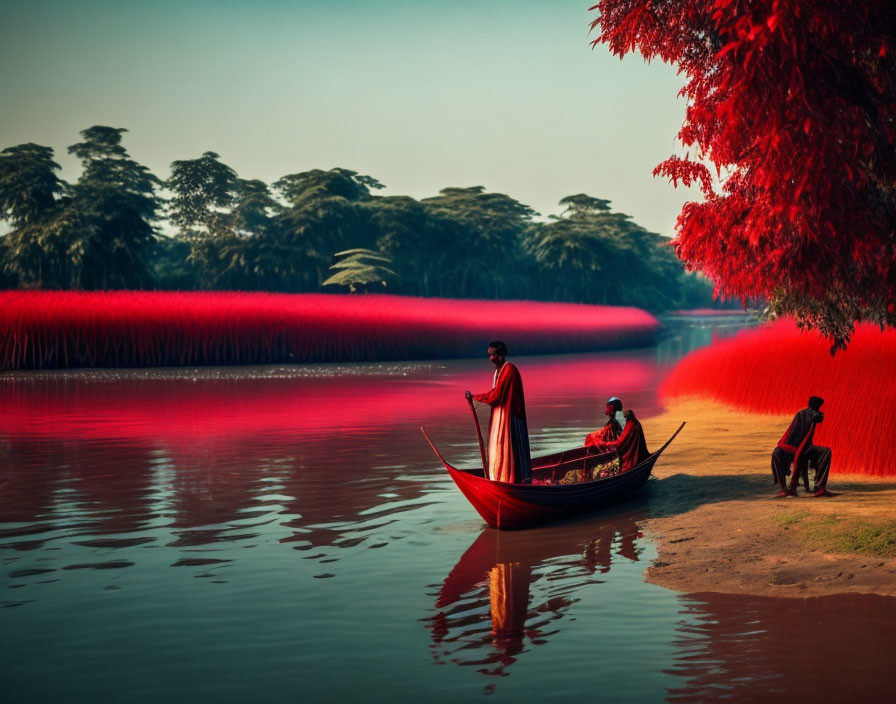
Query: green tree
[[406, 232], [249, 249], [173, 270], [226, 221], [325, 214], [591, 254], [574, 253], [33, 253], [113, 213], [477, 242], [203, 193], [359, 269]]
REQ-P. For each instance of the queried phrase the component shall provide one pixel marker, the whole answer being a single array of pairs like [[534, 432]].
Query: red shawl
[[631, 445]]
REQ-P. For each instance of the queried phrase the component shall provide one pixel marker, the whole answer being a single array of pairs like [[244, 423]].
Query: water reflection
[[824, 649], [204, 452], [85, 488], [509, 588], [172, 407], [153, 518], [682, 334]]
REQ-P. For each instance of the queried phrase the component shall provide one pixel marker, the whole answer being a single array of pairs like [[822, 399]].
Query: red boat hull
[[510, 506]]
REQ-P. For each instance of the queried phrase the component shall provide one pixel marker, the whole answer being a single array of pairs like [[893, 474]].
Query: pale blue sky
[[420, 94]]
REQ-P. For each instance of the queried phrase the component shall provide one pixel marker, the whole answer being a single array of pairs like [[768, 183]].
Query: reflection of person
[[502, 574], [508, 586], [631, 446], [612, 430], [508, 434], [796, 446]]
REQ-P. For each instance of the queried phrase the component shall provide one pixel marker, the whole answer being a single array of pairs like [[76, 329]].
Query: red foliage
[[774, 369], [794, 103], [50, 329]]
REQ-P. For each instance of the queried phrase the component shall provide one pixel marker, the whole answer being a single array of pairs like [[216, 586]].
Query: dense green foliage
[[119, 226]]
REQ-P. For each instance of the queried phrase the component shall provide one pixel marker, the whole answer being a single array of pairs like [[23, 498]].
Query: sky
[[421, 95]]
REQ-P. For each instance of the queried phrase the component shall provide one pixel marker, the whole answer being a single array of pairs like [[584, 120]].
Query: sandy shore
[[719, 527]]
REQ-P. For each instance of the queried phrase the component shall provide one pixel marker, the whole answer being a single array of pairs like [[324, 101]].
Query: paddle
[[479, 436]]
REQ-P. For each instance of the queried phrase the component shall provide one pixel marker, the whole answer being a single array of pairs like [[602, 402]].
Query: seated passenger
[[612, 430], [631, 446]]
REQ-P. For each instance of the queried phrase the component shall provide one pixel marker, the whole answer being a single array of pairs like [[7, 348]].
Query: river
[[285, 533]]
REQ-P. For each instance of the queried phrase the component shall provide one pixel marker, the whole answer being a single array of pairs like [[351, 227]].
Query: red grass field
[[50, 329], [774, 369]]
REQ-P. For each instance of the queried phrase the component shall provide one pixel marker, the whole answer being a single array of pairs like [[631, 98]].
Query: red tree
[[793, 104]]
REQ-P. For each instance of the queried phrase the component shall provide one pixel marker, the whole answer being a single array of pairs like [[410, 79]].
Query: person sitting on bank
[[612, 430], [631, 446], [796, 447]]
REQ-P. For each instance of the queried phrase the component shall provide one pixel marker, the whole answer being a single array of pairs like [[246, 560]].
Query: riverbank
[[719, 528]]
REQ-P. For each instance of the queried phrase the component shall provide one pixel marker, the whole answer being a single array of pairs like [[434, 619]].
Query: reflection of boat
[[508, 505], [511, 589]]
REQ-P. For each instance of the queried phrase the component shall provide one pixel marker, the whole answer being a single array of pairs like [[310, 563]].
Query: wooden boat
[[507, 505]]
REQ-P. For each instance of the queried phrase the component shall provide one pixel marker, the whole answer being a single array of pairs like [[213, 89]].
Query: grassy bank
[[842, 535]]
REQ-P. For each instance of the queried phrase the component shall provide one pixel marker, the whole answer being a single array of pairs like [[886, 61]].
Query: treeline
[[121, 227]]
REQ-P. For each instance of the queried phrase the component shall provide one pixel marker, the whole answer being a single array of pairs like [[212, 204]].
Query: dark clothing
[[781, 461], [819, 458], [796, 447], [802, 427]]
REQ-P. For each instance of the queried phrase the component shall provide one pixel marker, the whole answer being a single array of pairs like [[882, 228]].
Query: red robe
[[611, 431], [508, 434], [631, 445]]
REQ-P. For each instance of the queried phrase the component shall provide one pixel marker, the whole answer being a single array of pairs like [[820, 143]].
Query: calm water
[[285, 534]]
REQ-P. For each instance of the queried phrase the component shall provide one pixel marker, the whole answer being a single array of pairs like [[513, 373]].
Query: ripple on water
[[108, 565], [198, 561], [29, 572]]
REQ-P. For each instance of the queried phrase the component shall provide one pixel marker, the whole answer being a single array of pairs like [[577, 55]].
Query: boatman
[[612, 430], [508, 434], [796, 446]]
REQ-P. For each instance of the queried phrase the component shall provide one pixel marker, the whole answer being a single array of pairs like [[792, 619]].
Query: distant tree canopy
[[794, 103], [96, 233], [314, 231]]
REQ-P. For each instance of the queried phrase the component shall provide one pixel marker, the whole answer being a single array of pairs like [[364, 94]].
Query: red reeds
[[55, 329], [774, 369]]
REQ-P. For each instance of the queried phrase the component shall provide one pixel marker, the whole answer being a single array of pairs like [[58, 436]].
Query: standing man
[[508, 434], [796, 446]]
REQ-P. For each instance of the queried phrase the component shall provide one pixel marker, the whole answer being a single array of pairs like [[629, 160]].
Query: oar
[[479, 436]]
